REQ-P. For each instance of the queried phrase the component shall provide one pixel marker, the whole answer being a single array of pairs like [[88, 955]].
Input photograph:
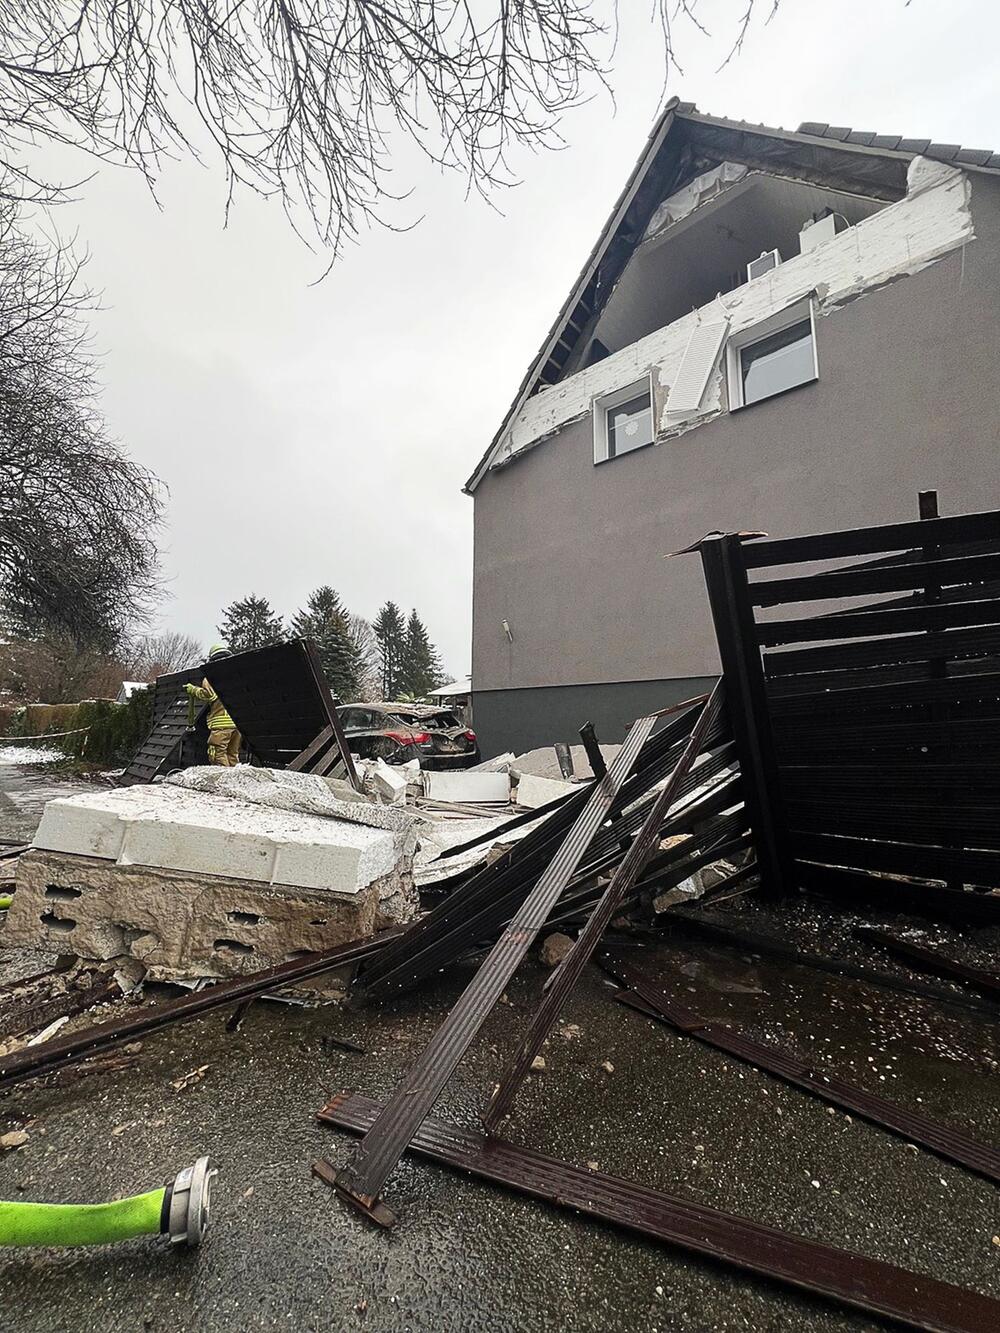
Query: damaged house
[[776, 330]]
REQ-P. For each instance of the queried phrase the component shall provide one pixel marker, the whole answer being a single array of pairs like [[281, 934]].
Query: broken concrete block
[[533, 792], [389, 783], [179, 925], [466, 785], [688, 889], [554, 949], [187, 883]]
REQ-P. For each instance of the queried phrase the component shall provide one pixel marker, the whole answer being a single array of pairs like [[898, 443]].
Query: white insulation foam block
[[167, 827]]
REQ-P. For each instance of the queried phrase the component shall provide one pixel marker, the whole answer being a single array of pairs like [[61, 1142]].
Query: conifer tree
[[389, 629], [421, 671], [326, 621], [250, 623]]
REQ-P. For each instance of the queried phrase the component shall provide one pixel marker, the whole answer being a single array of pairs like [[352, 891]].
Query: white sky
[[321, 434]]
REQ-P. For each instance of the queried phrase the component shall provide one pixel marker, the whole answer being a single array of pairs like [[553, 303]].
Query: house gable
[[857, 175]]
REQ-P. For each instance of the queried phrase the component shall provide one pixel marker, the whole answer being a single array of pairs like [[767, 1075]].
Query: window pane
[[630, 426], [778, 362]]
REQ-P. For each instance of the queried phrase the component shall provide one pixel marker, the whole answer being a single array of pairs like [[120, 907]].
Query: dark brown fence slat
[[873, 621], [957, 530], [866, 580], [979, 642]]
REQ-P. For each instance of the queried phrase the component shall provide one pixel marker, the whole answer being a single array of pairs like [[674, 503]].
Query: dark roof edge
[[653, 144]]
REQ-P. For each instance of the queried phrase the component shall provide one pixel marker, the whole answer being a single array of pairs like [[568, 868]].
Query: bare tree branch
[[77, 517]]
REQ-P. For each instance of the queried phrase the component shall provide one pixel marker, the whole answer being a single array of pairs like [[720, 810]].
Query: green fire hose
[[179, 1210]]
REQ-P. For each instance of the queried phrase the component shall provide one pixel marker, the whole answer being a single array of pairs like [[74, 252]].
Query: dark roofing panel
[[914, 145], [976, 157], [943, 152]]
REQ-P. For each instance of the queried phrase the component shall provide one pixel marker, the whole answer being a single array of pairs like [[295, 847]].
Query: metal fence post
[[746, 696]]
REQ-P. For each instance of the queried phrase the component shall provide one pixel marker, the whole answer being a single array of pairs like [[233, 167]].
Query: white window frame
[[738, 342], [605, 402]]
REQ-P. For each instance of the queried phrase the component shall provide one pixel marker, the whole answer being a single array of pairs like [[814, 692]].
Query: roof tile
[[976, 157], [943, 152]]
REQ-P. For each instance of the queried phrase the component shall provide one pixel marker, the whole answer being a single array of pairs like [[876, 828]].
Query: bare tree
[[54, 669], [370, 668], [152, 655], [77, 517], [300, 97], [307, 99]]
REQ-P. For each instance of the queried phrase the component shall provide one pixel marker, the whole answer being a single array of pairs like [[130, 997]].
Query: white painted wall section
[[933, 218]]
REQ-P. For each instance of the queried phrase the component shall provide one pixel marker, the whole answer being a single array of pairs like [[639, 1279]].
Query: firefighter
[[223, 738]]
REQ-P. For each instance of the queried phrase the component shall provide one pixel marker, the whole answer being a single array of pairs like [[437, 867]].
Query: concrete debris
[[16, 1138], [388, 783], [499, 764], [216, 873], [554, 949], [534, 792], [687, 890], [49, 1030], [467, 785], [544, 763], [188, 1080], [181, 925], [302, 793], [167, 827], [538, 1064]]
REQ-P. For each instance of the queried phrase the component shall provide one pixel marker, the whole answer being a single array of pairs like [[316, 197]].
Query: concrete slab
[[533, 791], [168, 827], [466, 785], [544, 762]]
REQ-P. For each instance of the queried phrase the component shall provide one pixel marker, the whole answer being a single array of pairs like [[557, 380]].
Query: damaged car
[[398, 732]]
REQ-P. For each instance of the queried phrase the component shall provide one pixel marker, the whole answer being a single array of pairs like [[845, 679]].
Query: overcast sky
[[322, 434]]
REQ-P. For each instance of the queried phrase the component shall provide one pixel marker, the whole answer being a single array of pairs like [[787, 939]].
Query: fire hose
[[179, 1210]]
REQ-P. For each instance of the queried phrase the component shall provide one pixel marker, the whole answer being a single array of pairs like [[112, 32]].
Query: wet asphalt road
[[283, 1253]]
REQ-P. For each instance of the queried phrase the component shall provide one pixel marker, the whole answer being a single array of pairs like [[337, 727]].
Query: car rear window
[[442, 720]]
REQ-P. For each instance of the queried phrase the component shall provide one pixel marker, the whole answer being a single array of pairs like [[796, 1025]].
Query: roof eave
[[657, 135]]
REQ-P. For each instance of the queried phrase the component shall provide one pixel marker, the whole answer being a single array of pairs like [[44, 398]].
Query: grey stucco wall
[[571, 554], [520, 720]]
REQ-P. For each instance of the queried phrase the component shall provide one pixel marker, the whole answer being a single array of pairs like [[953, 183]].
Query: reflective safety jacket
[[218, 718]]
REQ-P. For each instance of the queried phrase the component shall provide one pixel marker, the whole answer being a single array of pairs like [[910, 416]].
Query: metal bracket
[[368, 1206]]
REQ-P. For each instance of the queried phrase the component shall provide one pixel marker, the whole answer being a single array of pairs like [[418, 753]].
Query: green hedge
[[114, 731]]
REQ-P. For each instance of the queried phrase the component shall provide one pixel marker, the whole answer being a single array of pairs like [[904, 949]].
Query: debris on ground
[[554, 949], [189, 1080], [393, 880]]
